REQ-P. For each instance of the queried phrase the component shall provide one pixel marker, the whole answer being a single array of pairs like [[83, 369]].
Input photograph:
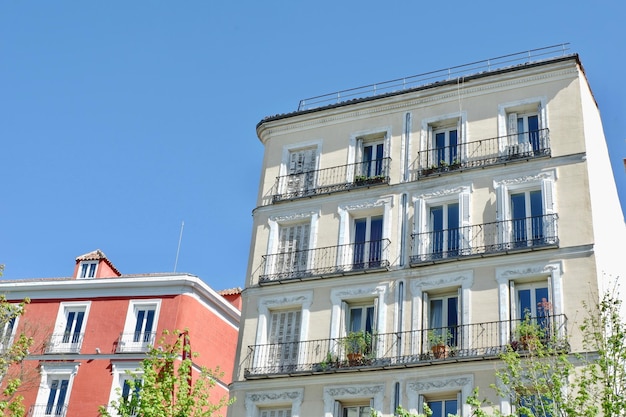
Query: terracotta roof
[[98, 255], [230, 291]]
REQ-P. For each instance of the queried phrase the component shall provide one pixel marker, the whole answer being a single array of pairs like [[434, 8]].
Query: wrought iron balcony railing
[[65, 343], [47, 410], [330, 180], [135, 342], [401, 349], [485, 239], [481, 153], [332, 260]]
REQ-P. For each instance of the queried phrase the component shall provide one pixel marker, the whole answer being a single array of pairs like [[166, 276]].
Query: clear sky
[[119, 120]]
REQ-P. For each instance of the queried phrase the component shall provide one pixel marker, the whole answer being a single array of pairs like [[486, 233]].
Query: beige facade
[[453, 209]]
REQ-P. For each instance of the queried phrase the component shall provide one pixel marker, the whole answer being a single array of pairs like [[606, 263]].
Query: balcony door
[[443, 318], [533, 302], [444, 223], [445, 147], [283, 339], [56, 397], [293, 248], [301, 171], [368, 234], [524, 129], [527, 218]]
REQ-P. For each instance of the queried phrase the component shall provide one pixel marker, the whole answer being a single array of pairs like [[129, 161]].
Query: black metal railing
[[330, 180], [320, 262], [45, 410], [481, 153], [65, 343], [485, 239], [401, 349], [135, 342]]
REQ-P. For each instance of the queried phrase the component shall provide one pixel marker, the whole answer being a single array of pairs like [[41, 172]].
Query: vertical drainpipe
[[405, 178]]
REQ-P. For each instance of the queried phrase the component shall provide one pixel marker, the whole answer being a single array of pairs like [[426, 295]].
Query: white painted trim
[[463, 383], [256, 400], [287, 149], [301, 300], [339, 295], [353, 392], [120, 372], [48, 370]]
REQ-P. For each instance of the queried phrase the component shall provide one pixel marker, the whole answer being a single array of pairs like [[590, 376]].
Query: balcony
[[45, 410], [331, 180], [482, 153], [135, 342], [354, 258], [497, 238], [65, 343], [470, 342]]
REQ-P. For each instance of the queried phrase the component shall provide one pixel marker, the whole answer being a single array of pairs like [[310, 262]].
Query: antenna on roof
[[180, 238]]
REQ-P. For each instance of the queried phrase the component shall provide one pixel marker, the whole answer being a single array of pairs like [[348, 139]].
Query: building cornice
[[121, 287]]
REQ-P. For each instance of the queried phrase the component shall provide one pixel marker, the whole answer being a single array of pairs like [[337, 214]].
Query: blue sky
[[121, 119]]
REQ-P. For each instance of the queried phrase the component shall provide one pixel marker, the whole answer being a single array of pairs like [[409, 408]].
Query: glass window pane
[[436, 407], [356, 319], [436, 314], [525, 304], [451, 408]]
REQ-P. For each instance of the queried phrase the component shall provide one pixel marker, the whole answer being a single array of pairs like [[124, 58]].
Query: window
[[140, 328], [54, 391], [444, 224], [69, 329], [275, 412], [301, 171], [293, 248], [522, 127], [7, 332], [87, 270], [372, 158], [369, 151], [538, 405], [527, 218], [443, 407], [127, 380], [523, 131], [368, 233], [443, 318], [526, 215], [355, 411], [445, 146], [283, 338]]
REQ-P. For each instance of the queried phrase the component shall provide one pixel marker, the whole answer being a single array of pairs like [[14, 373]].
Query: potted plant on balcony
[[528, 334], [438, 340], [456, 164], [356, 344], [429, 170]]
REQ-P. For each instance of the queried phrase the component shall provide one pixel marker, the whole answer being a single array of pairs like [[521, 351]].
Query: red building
[[91, 328]]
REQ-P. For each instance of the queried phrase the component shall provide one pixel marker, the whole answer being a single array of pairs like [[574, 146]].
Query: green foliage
[[546, 380], [401, 412], [10, 399], [164, 388], [357, 342]]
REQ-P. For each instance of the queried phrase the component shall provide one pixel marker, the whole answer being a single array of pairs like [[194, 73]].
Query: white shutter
[[550, 230], [512, 301], [431, 159], [512, 127], [359, 157], [502, 214], [460, 141], [420, 241], [420, 404], [337, 409], [345, 318], [464, 221]]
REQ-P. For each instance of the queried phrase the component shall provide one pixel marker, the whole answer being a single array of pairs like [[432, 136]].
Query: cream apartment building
[[420, 209]]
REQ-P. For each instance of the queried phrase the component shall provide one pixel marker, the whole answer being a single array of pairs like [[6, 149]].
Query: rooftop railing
[[329, 180], [494, 238], [466, 342], [352, 258], [399, 84]]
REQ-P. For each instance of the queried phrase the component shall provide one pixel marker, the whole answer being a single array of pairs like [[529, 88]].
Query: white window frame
[[357, 210], [444, 122], [352, 393], [421, 209], [355, 147], [505, 187], [276, 222], [341, 298], [126, 342], [531, 105], [122, 371], [8, 335], [461, 282], [256, 401], [49, 372], [86, 266], [513, 275], [461, 384], [316, 145], [56, 343]]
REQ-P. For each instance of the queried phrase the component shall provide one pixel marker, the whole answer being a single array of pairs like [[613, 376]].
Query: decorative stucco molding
[[255, 399]]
